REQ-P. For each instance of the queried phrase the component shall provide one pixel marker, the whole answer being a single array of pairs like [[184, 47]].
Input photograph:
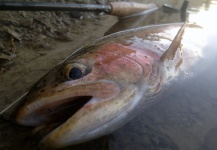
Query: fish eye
[[75, 71]]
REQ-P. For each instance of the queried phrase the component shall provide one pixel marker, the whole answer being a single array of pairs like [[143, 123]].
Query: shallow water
[[184, 120]]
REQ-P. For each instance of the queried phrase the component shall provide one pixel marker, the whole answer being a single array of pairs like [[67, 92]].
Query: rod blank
[[44, 6], [114, 8]]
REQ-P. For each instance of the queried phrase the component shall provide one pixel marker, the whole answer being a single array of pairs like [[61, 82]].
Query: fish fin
[[170, 53]]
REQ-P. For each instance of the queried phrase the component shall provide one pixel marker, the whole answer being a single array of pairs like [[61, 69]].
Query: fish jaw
[[93, 120], [99, 116], [44, 109]]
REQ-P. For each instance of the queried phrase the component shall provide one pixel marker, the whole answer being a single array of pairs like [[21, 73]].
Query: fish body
[[102, 86]]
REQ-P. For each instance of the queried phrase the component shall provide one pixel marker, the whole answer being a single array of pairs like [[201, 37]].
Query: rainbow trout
[[102, 86]]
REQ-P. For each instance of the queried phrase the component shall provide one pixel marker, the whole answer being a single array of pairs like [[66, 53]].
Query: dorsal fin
[[169, 54]]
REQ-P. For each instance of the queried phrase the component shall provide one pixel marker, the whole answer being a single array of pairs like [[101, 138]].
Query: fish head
[[90, 94]]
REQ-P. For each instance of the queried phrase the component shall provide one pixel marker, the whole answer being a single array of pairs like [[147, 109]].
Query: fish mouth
[[61, 110], [56, 112], [78, 113], [58, 108]]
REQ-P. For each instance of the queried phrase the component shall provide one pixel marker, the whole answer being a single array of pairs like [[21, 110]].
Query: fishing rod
[[113, 8]]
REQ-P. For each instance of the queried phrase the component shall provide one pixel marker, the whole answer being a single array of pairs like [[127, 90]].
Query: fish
[[102, 86]]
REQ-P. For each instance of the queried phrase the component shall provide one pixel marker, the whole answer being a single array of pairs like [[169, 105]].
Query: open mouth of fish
[[71, 109], [63, 109], [66, 103]]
